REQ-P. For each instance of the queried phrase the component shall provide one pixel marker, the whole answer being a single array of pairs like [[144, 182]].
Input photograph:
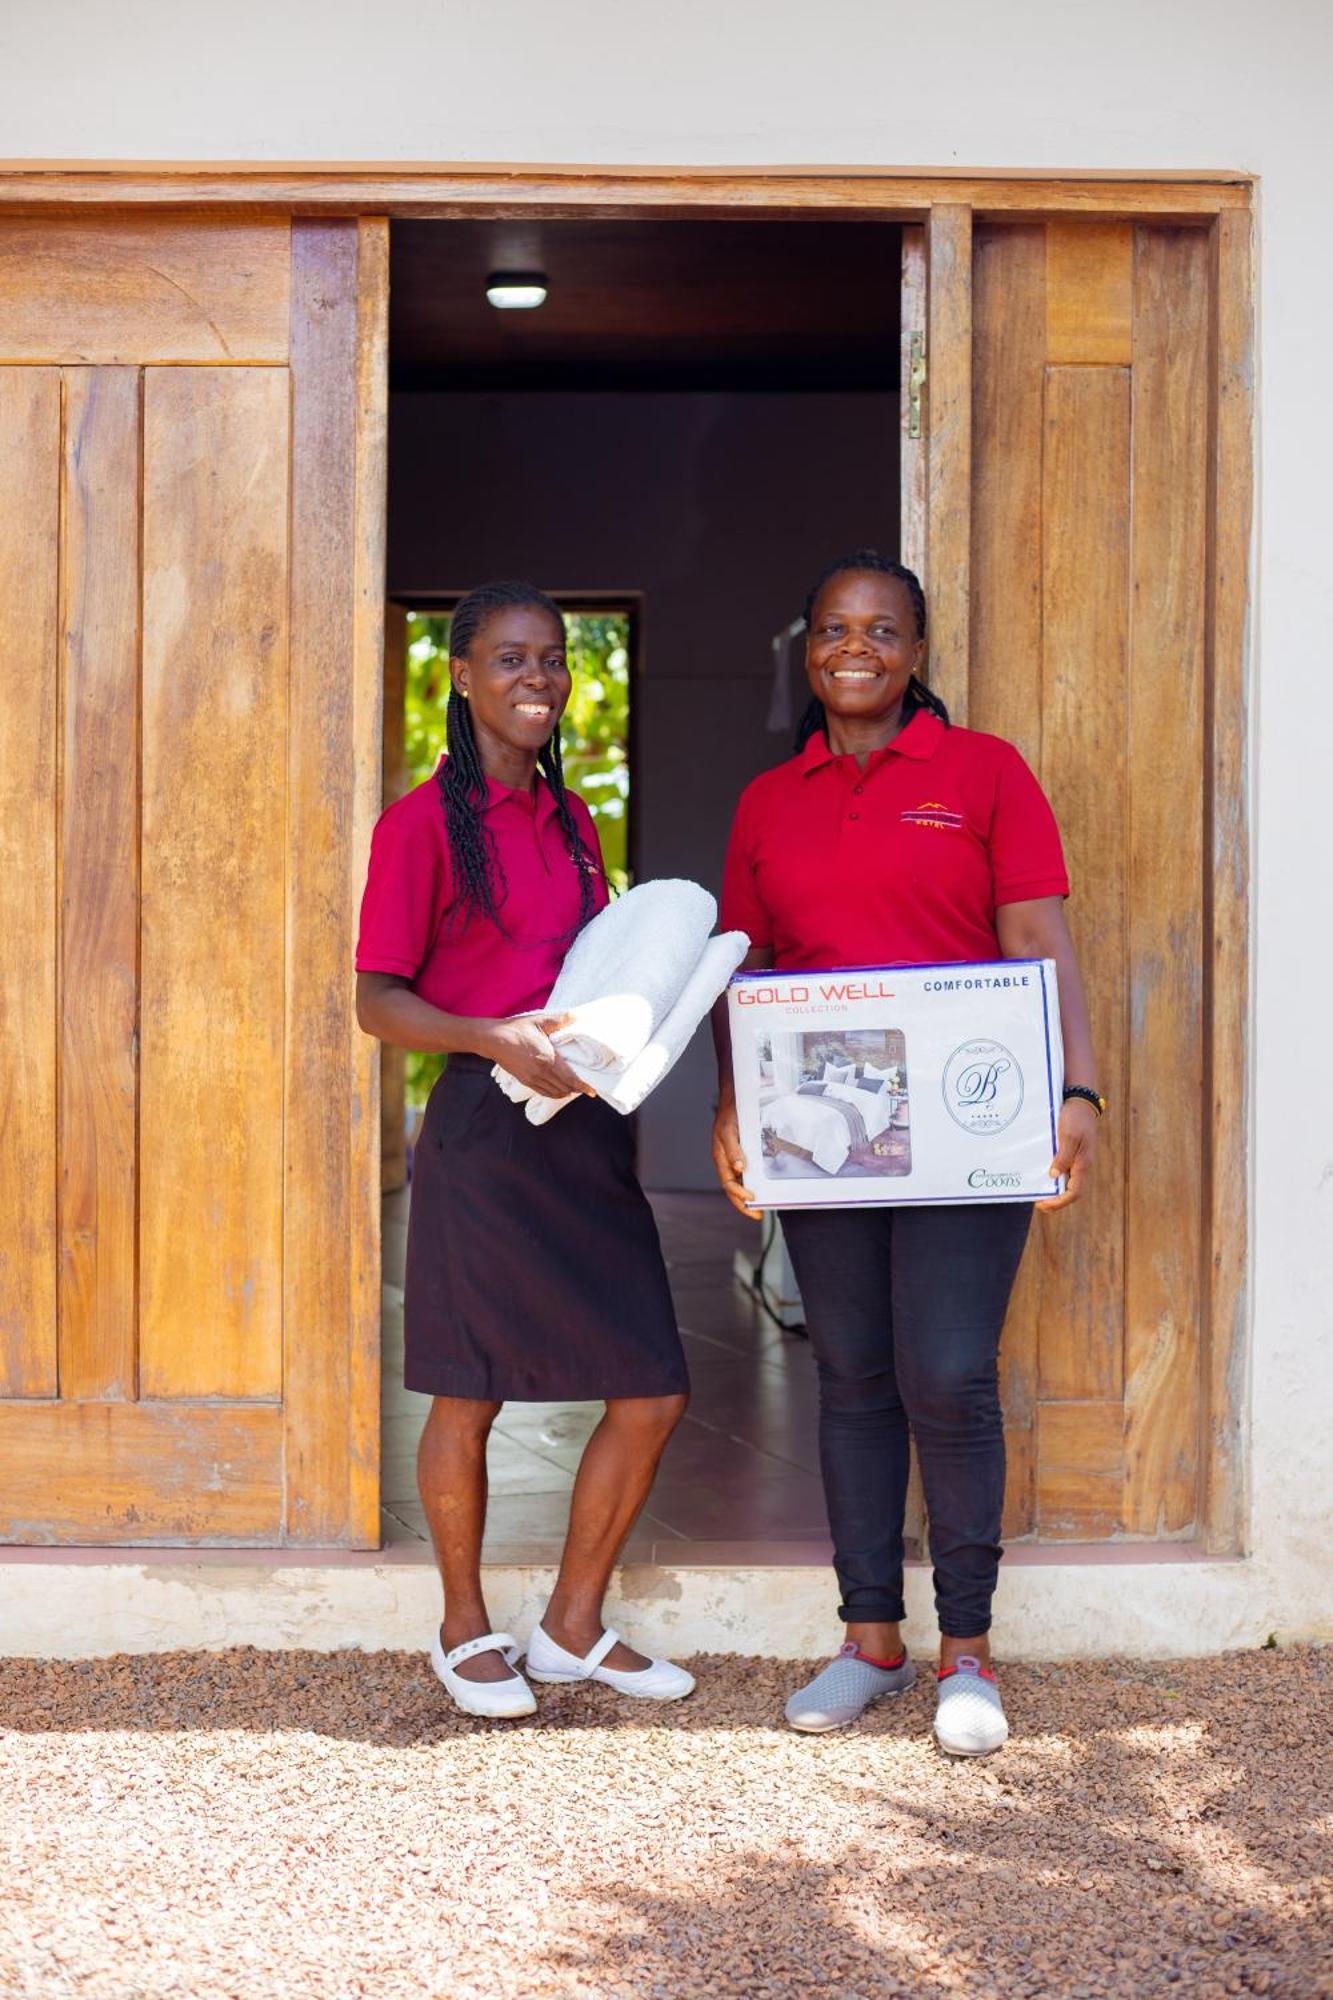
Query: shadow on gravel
[[385, 1698], [1186, 1855], [865, 1927]]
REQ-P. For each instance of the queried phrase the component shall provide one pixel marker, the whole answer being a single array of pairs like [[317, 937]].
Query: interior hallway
[[740, 1480]]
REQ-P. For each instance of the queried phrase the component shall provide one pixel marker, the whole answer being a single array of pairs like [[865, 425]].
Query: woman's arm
[[387, 1008], [1038, 930], [728, 1159]]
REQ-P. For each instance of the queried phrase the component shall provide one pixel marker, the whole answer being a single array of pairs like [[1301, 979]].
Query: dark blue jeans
[[905, 1308]]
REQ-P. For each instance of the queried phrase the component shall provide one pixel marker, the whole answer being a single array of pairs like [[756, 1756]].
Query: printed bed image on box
[[896, 1084]]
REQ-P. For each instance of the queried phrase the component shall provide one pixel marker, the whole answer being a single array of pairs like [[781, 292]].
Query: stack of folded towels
[[636, 984]]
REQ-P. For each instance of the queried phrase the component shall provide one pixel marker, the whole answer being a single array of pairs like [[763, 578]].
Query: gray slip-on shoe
[[969, 1715], [847, 1685]]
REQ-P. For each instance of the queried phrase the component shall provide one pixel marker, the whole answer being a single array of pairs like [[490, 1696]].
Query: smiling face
[[515, 679], [863, 645]]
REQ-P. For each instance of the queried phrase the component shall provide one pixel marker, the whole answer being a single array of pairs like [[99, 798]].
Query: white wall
[[720, 509], [1040, 83]]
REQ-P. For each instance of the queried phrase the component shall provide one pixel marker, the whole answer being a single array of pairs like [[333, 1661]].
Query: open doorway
[[700, 415], [696, 420]]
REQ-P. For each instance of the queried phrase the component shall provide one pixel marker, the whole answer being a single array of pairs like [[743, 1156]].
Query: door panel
[[29, 595], [151, 288], [114, 1472], [1165, 871], [185, 662], [332, 1391], [1092, 429], [214, 834], [99, 902], [1089, 294], [1085, 599], [1008, 395]]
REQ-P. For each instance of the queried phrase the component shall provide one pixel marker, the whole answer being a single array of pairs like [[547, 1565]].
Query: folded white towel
[[636, 984], [719, 959]]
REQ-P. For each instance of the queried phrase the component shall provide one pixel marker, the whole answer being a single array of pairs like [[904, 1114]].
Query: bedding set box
[[898, 1084]]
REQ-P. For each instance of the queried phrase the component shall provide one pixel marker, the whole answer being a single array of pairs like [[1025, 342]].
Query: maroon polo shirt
[[904, 863], [409, 913]]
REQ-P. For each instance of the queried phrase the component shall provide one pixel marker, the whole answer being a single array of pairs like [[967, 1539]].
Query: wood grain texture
[[99, 904], [949, 458], [501, 189], [30, 428], [912, 451], [1089, 293], [1227, 903], [393, 1062], [1164, 1101], [1085, 568], [107, 1473], [149, 289], [321, 1198], [214, 783], [1080, 1476], [1005, 681], [369, 544], [1008, 386]]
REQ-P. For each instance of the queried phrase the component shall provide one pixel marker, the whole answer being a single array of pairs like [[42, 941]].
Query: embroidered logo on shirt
[[931, 813]]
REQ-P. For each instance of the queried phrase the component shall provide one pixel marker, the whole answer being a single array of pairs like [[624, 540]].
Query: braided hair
[[462, 781], [916, 695]]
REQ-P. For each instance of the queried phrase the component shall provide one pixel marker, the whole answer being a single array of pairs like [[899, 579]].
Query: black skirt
[[534, 1270]]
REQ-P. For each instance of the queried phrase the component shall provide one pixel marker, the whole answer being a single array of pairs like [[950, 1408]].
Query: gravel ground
[[310, 1825]]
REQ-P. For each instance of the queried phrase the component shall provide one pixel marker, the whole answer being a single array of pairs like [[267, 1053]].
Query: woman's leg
[[843, 1259], [615, 1473], [451, 1478], [953, 1271]]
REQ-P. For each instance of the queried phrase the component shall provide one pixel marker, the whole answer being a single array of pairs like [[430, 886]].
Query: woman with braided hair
[[534, 1271], [892, 838]]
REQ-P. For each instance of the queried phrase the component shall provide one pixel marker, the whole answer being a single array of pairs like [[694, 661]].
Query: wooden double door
[[191, 425], [191, 588]]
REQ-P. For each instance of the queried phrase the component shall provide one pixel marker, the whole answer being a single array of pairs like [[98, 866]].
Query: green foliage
[[594, 732]]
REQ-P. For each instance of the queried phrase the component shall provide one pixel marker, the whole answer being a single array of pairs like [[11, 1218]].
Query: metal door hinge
[[916, 382]]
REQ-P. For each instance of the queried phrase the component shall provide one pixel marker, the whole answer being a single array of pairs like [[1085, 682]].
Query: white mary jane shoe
[[500, 1700], [660, 1680]]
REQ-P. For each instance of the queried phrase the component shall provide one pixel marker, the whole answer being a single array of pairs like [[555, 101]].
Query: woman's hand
[[729, 1161], [1077, 1142], [524, 1048]]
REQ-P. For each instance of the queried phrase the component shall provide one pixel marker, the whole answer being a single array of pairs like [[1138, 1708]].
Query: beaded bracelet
[[1092, 1097]]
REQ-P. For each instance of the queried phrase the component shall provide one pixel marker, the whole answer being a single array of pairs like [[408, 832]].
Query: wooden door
[[1078, 452], [191, 452]]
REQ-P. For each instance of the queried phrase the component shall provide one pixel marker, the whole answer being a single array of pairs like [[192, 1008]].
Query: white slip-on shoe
[[969, 1715], [500, 1700], [660, 1680]]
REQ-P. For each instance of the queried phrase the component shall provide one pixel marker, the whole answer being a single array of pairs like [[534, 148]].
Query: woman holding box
[[534, 1271], [894, 838]]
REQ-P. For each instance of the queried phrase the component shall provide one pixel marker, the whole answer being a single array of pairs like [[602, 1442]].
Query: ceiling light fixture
[[516, 291]]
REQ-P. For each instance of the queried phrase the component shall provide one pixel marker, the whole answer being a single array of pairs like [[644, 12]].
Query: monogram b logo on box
[[983, 1087]]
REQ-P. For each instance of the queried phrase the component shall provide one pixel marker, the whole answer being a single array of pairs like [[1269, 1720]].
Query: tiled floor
[[740, 1480]]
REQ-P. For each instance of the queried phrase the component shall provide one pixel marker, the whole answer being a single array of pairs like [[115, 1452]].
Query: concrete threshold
[[1136, 1600]]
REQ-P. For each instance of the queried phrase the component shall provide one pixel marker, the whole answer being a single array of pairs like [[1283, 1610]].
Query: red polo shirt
[[904, 863], [409, 911]]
